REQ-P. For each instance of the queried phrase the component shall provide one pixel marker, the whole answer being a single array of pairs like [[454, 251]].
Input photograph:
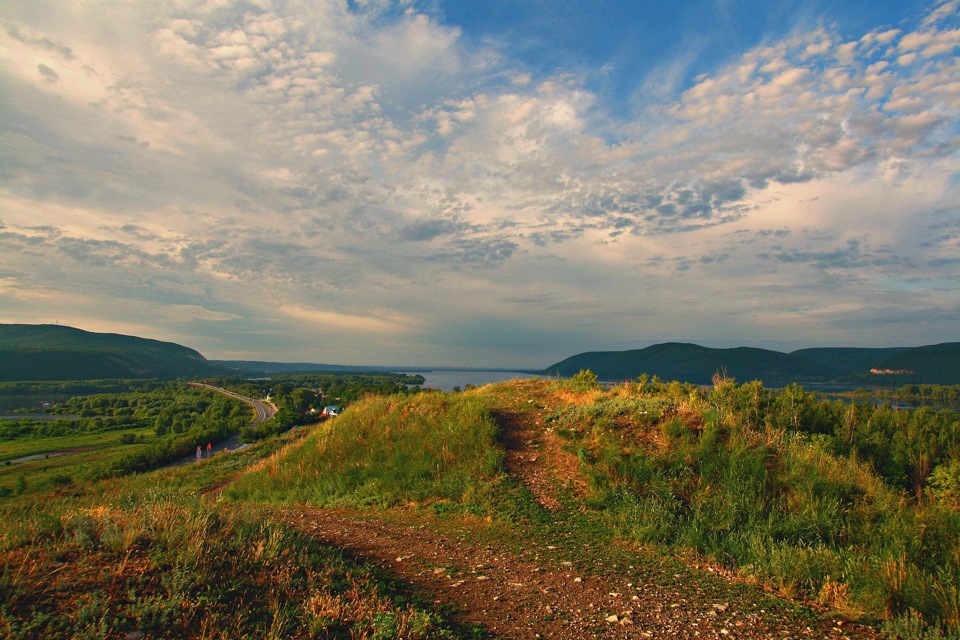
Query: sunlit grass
[[388, 451], [779, 508], [150, 554]]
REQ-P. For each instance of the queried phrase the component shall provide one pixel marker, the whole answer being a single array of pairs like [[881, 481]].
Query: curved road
[[265, 411]]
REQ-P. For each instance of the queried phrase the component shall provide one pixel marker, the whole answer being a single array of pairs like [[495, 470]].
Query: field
[[549, 508], [66, 459]]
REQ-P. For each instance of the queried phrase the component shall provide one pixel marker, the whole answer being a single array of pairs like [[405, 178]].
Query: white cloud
[[383, 322], [329, 159]]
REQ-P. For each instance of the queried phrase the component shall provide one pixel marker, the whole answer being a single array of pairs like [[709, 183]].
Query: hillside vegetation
[[54, 352], [549, 507], [853, 507], [934, 364], [150, 555]]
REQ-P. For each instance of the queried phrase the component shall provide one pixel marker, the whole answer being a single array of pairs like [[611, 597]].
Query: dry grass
[[172, 564]]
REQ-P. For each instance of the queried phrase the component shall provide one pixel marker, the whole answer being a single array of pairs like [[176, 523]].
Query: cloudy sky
[[482, 183]]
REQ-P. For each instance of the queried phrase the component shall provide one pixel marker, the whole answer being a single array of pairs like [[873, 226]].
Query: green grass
[[777, 507], [664, 466], [27, 446], [148, 553], [655, 470], [96, 451], [387, 451]]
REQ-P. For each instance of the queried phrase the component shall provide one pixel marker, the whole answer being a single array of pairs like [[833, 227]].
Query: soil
[[542, 591]]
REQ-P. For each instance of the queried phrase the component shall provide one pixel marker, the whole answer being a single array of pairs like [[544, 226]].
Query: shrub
[[586, 380]]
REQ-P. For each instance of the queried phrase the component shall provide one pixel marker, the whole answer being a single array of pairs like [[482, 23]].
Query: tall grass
[[779, 507], [170, 564], [389, 451]]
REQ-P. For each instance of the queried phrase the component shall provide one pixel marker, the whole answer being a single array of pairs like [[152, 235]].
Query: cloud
[[383, 322], [41, 42], [191, 312], [315, 163], [852, 255], [430, 229], [341, 81], [48, 74]]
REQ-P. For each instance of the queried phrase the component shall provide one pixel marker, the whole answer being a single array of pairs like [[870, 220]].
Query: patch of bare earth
[[534, 453], [541, 593], [536, 594]]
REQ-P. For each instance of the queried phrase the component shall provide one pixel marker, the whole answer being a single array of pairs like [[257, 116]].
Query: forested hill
[[54, 352], [934, 364]]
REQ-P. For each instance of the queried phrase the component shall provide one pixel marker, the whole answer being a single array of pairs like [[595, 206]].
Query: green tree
[[586, 380], [943, 485]]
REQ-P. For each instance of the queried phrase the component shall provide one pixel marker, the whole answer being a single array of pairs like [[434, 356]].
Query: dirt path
[[539, 592], [524, 448]]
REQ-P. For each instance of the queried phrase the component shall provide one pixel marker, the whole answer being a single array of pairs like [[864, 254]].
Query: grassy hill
[[54, 352], [731, 477], [545, 507], [939, 364]]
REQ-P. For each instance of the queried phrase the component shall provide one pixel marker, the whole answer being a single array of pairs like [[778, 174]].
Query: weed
[[148, 554], [714, 473]]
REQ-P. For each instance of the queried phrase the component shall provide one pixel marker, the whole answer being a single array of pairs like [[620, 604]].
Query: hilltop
[[525, 509], [55, 352], [933, 364]]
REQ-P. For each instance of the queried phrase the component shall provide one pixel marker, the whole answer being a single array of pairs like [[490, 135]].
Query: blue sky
[[488, 183]]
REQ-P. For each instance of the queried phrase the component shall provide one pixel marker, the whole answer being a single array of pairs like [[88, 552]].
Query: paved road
[[265, 411]]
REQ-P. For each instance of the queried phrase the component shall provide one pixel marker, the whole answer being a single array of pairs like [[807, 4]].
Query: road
[[265, 411]]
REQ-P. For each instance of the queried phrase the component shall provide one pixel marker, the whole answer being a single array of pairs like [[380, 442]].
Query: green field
[[96, 435], [65, 460]]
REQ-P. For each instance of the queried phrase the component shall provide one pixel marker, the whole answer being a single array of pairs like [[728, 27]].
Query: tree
[[943, 485], [586, 380]]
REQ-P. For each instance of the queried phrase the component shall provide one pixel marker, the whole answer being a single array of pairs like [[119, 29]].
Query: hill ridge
[[690, 362], [60, 352]]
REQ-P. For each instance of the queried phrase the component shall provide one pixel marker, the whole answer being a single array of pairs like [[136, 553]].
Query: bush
[[764, 486], [586, 380]]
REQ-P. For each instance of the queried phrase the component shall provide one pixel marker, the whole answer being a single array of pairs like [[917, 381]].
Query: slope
[[934, 364], [54, 352], [688, 362], [507, 526]]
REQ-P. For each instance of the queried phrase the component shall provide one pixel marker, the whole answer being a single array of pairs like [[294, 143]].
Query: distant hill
[[54, 352], [933, 364], [936, 364]]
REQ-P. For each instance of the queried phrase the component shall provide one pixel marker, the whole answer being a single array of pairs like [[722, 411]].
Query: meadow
[[150, 553], [850, 509]]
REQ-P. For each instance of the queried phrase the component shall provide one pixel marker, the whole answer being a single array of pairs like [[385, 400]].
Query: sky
[[489, 183]]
